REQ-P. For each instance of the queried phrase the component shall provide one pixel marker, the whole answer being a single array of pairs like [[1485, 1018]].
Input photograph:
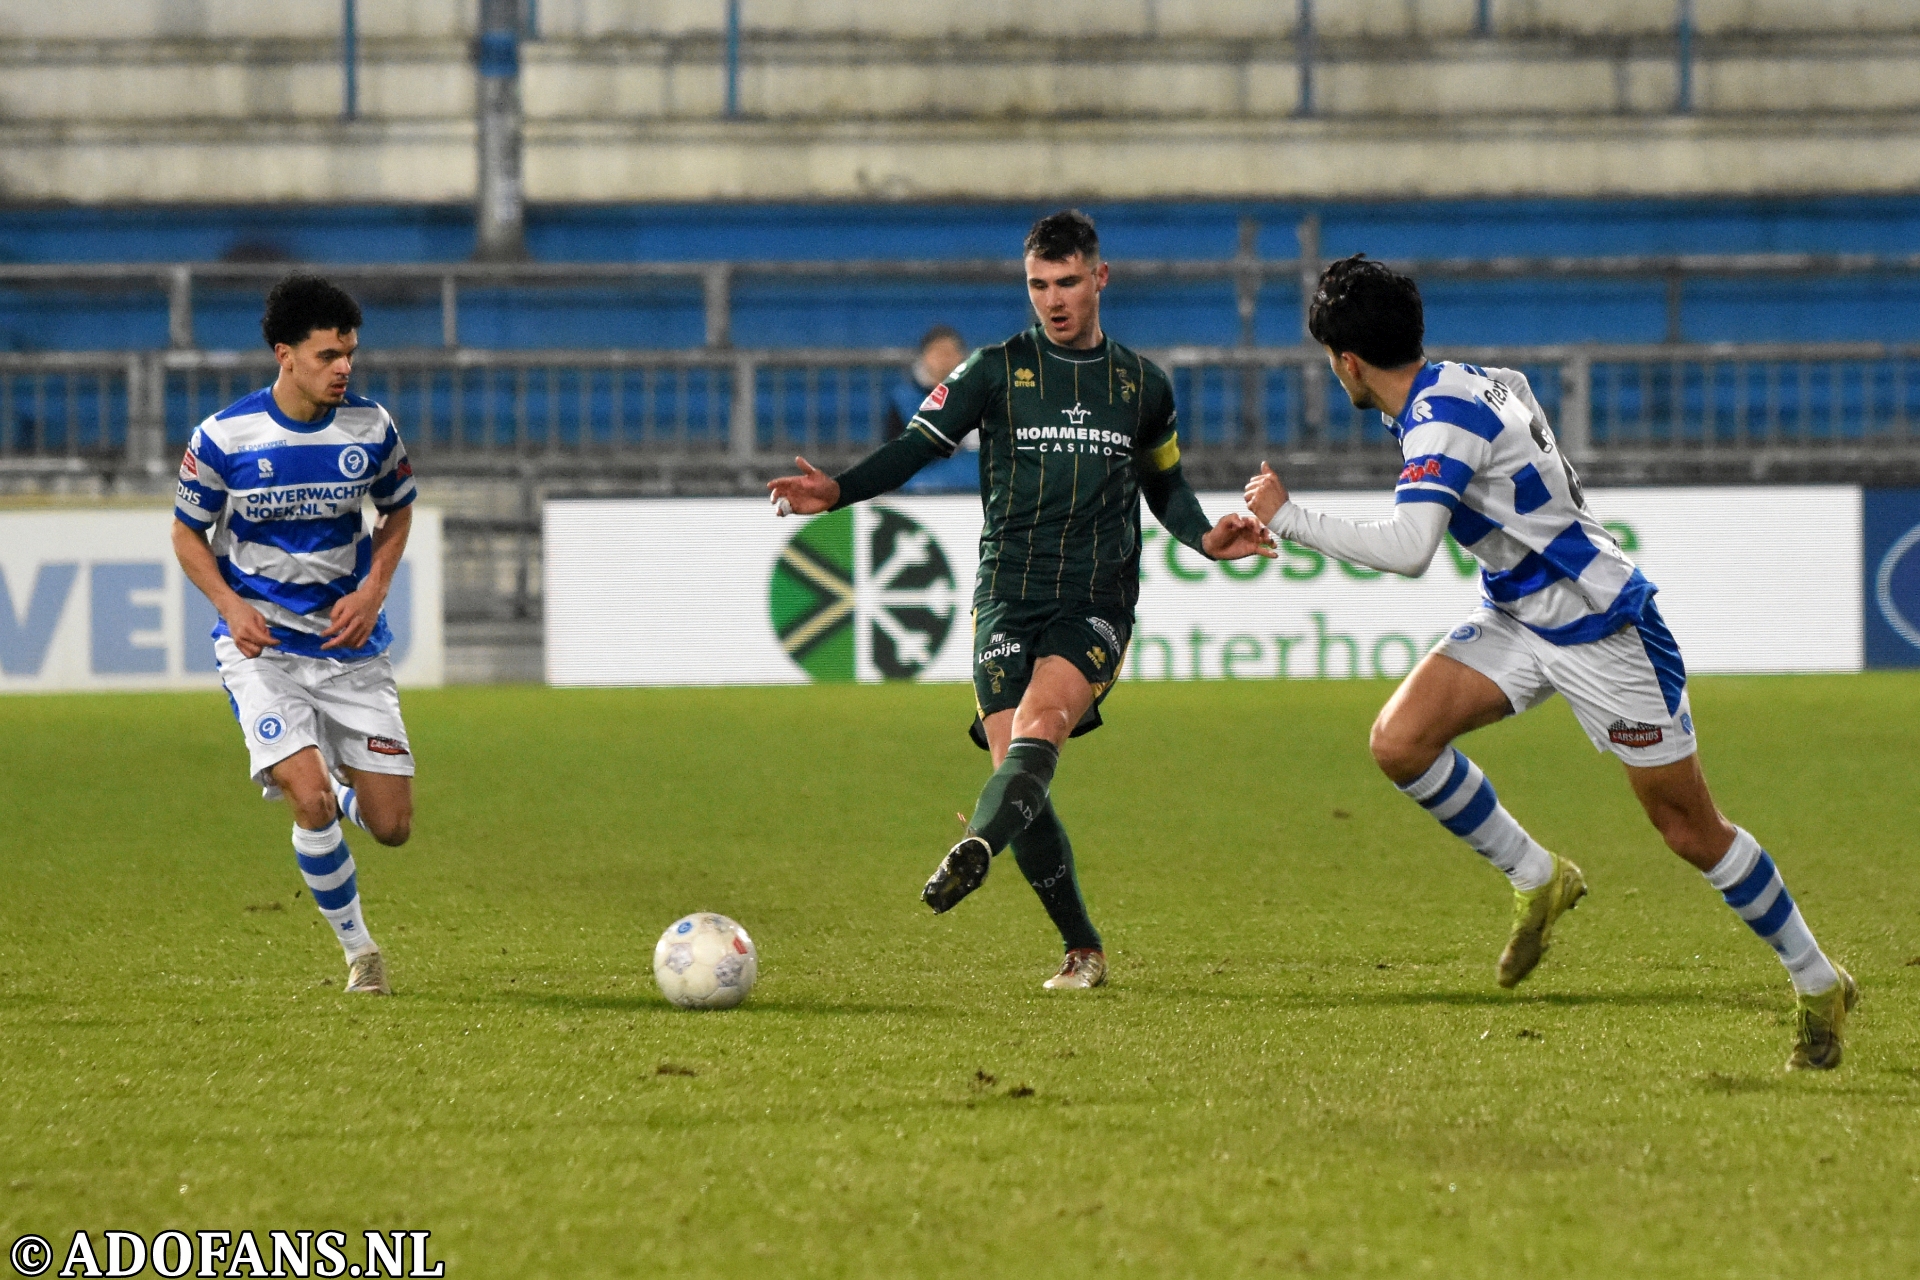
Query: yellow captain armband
[[1165, 457]]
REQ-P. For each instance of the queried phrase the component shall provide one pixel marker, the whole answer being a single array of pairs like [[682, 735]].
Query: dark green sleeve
[[885, 469], [1175, 505], [950, 411], [1157, 459]]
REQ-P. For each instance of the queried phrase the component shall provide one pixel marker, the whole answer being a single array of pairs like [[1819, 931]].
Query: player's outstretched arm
[[1176, 506], [1402, 545], [250, 630], [882, 471]]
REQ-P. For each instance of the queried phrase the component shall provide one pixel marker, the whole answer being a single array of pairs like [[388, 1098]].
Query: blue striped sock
[[1751, 885], [1456, 793], [349, 801], [327, 866]]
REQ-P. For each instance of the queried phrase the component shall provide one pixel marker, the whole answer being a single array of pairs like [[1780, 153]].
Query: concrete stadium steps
[[211, 100]]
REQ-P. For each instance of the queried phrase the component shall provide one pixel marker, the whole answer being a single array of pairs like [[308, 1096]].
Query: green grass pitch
[[1302, 1064]]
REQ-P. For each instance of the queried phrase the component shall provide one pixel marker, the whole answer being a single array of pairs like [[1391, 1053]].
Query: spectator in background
[[941, 351]]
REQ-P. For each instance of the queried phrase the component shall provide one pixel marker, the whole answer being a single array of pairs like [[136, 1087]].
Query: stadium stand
[[161, 161]]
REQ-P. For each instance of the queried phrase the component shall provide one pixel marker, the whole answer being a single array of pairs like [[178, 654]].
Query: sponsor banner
[[1890, 564], [718, 591], [1751, 579], [94, 599]]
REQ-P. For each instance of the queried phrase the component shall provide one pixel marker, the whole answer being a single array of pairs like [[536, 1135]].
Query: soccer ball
[[705, 961]]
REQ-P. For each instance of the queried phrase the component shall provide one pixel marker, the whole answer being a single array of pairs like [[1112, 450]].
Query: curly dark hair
[[1366, 308], [1059, 236], [300, 304]]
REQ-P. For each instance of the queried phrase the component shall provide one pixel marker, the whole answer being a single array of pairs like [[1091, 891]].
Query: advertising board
[[1890, 572], [718, 591], [93, 599]]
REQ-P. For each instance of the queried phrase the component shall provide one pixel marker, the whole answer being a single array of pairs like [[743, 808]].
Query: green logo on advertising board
[[862, 593]]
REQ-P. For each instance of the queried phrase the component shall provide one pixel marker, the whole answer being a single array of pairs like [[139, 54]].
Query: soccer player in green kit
[[1074, 430]]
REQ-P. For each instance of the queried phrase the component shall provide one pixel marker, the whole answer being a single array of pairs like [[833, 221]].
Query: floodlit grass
[[1302, 1064]]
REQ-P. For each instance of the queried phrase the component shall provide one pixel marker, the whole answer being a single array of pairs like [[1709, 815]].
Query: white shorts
[[286, 703], [1629, 691]]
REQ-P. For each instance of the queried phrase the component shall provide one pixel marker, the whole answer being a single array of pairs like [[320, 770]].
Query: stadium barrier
[[714, 591], [181, 286], [1666, 412], [94, 600]]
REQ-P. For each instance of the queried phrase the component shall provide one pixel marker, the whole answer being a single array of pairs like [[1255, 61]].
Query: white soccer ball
[[705, 961]]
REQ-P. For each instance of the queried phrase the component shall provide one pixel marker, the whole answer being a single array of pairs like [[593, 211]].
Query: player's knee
[[314, 810], [1399, 755], [393, 831]]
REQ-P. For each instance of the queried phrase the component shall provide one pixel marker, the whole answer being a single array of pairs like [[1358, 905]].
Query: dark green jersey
[[1066, 439]]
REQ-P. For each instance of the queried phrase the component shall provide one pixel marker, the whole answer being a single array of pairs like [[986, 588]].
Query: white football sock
[[1751, 885], [327, 867], [1457, 793]]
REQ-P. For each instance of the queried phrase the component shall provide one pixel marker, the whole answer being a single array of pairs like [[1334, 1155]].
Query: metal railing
[[181, 283], [1699, 412]]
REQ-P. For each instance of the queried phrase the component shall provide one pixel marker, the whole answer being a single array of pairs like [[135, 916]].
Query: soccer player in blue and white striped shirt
[[268, 524], [1565, 611]]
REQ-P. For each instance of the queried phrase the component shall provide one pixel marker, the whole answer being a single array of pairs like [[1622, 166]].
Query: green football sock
[[1045, 856], [1016, 793]]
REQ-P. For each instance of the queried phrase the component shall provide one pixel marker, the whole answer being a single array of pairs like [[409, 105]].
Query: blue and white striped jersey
[[283, 500], [1476, 442]]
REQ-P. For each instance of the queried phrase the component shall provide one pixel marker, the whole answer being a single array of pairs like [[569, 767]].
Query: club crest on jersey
[[1422, 411], [1127, 387], [1077, 415], [935, 398], [353, 462], [1023, 377]]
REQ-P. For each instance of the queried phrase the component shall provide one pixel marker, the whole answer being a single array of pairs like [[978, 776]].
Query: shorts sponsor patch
[[387, 747], [1465, 633], [1106, 631], [935, 398], [1005, 649], [1632, 733]]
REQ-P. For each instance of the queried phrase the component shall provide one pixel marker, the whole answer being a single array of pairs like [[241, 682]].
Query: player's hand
[[250, 631], [1266, 494], [352, 620], [1236, 536], [806, 494]]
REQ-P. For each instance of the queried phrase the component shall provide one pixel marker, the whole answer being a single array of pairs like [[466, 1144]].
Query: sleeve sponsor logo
[[935, 398], [1631, 733], [1420, 469], [189, 466]]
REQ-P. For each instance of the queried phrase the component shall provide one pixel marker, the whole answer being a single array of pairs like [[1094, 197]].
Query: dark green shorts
[[1010, 636]]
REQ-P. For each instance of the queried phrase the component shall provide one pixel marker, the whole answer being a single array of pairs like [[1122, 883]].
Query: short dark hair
[[300, 304], [1369, 309], [1059, 236], [942, 333]]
